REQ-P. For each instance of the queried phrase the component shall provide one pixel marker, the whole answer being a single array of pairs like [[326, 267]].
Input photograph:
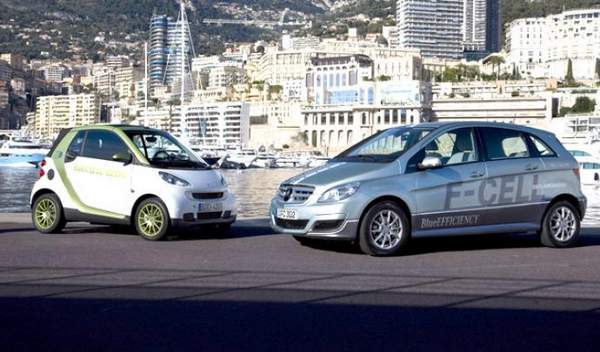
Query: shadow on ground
[[68, 324]]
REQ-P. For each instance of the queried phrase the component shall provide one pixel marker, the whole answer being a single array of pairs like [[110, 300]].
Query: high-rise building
[[170, 48], [433, 26], [493, 38], [481, 28], [475, 24], [158, 50]]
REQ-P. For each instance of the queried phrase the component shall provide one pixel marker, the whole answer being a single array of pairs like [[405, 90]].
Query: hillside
[[66, 27], [93, 28]]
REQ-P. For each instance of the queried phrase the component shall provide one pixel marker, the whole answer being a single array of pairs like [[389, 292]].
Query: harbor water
[[254, 189]]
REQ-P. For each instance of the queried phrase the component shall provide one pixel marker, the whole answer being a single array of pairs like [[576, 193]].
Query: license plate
[[210, 207], [287, 214]]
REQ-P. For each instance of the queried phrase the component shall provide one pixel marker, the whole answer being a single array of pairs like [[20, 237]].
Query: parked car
[[130, 175], [436, 179]]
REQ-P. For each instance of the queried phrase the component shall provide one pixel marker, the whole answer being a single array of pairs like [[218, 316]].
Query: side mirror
[[430, 162], [124, 158]]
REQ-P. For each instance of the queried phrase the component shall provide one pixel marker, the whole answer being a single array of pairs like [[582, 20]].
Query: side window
[[103, 145], [542, 148], [454, 147], [76, 146], [503, 143]]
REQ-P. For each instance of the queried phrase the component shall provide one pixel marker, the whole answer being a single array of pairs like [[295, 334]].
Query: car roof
[[458, 124], [122, 127]]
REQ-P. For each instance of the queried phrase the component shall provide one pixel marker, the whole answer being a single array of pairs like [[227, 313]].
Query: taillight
[[577, 173], [41, 171]]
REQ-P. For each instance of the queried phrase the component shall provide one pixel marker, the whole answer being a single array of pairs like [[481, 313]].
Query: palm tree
[[496, 61]]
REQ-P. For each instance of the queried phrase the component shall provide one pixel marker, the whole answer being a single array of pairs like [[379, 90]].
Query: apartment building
[[543, 46], [54, 113]]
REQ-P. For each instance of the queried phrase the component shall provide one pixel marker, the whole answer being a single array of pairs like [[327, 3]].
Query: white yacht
[[21, 152]]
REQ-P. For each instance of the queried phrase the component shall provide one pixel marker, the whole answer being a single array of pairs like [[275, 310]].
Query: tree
[[496, 61], [569, 79], [583, 105], [598, 68]]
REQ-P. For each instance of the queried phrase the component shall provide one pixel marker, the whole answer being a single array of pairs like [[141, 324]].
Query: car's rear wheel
[[561, 226], [384, 230], [47, 214], [152, 219]]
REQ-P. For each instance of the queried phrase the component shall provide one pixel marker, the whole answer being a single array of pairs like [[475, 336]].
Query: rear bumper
[[582, 206]]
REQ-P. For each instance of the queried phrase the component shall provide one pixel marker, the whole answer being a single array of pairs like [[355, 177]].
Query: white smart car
[[130, 175]]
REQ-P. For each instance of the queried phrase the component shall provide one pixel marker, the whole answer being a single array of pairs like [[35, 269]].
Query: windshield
[[384, 146], [163, 150]]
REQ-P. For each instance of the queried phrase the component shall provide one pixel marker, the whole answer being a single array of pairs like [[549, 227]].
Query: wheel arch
[[394, 199], [40, 193], [143, 198], [568, 198]]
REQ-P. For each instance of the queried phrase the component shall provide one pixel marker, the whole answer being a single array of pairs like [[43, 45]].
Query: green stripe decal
[[58, 158]]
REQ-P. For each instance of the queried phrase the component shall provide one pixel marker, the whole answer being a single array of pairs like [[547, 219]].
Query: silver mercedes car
[[436, 179]]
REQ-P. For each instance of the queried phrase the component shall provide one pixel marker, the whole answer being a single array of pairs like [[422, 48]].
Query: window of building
[[364, 118], [103, 145], [341, 119], [386, 116], [323, 119], [350, 119], [332, 119], [395, 116], [402, 116], [502, 143]]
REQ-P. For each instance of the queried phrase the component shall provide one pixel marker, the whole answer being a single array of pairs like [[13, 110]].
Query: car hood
[[336, 173], [209, 180]]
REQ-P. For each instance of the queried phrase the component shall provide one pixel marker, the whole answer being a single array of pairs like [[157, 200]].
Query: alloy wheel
[[151, 219], [563, 224], [386, 229], [45, 213]]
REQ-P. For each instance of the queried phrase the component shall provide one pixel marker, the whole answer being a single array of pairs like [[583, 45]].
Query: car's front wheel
[[152, 219], [47, 214], [561, 226], [384, 230]]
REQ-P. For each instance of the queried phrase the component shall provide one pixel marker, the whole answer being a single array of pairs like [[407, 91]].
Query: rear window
[[501, 143], [61, 136], [542, 148]]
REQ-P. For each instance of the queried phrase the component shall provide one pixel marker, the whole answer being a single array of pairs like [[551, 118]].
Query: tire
[[47, 214], [561, 226], [383, 241], [152, 220]]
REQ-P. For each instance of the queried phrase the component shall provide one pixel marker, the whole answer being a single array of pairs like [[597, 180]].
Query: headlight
[[223, 180], [339, 193], [174, 180]]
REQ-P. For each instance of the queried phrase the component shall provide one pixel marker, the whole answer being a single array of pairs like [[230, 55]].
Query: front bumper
[[324, 221], [185, 210]]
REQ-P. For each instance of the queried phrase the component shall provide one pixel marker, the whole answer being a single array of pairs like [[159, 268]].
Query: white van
[[131, 175]]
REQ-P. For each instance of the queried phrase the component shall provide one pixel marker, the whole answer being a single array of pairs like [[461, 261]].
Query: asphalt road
[[95, 288]]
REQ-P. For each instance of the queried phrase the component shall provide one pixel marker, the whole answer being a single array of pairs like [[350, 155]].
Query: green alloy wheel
[[152, 219], [47, 214]]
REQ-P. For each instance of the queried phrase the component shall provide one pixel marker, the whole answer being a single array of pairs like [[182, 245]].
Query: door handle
[[477, 174], [531, 167]]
